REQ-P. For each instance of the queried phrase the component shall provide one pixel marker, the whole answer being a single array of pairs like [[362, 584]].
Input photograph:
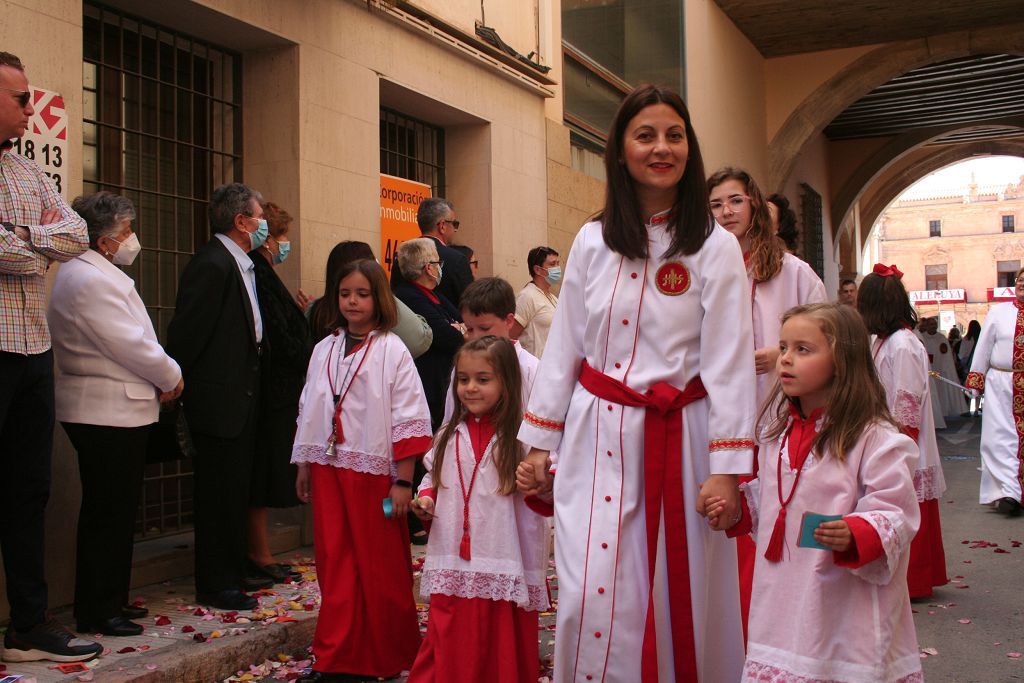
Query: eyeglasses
[[735, 203], [454, 224], [474, 263], [433, 263], [23, 96], [1019, 281]]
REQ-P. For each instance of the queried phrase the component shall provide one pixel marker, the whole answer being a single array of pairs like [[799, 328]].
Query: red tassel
[[774, 551], [464, 546]]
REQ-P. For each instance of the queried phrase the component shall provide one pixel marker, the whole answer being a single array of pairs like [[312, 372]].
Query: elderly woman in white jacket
[[112, 374]]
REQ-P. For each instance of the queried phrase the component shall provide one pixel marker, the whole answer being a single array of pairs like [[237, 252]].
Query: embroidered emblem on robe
[[672, 279]]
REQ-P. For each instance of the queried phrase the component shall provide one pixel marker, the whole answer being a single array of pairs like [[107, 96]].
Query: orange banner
[[399, 201]]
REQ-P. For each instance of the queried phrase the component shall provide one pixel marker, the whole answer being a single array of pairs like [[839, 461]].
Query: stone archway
[[870, 71]]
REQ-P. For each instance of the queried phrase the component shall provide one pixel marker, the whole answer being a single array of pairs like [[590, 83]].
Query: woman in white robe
[[998, 370], [940, 353], [654, 312]]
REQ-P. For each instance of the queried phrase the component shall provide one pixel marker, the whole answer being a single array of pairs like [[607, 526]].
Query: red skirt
[[927, 557], [476, 639], [367, 623]]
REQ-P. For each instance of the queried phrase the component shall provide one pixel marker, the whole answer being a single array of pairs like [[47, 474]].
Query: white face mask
[[128, 250]]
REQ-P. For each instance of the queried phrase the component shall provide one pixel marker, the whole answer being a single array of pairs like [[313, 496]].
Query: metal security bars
[[412, 149], [162, 126]]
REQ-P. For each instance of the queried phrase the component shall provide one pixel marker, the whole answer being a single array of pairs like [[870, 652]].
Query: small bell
[[330, 445]]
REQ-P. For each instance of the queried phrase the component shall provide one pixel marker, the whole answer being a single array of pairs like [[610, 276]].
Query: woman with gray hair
[[421, 273], [112, 374]]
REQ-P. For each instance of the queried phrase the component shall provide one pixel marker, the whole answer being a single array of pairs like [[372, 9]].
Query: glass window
[[935, 277], [1008, 223], [813, 225], [412, 149], [1006, 272], [935, 228]]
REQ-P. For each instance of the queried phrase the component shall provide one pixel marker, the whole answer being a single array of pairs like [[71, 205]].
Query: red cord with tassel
[[465, 546], [777, 542]]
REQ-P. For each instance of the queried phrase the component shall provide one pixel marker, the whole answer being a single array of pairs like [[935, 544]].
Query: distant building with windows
[[958, 251]]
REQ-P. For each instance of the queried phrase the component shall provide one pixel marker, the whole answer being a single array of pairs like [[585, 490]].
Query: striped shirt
[[24, 193]]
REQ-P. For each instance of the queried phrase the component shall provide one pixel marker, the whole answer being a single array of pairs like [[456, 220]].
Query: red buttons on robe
[[607, 499], [625, 322], [589, 677], [597, 634], [633, 275], [609, 454], [604, 545], [609, 407], [618, 365], [601, 590]]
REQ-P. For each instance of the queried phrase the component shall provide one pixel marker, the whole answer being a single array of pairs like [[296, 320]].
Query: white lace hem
[[929, 483], [759, 672], [350, 460], [464, 584], [752, 502], [410, 429]]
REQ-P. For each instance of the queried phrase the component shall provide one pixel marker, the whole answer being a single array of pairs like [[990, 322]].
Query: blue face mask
[[282, 252], [554, 275], [256, 239]]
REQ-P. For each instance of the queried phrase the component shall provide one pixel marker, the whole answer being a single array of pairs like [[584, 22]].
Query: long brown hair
[[507, 415], [857, 398], [383, 301], [323, 318], [623, 226], [766, 250], [884, 304]]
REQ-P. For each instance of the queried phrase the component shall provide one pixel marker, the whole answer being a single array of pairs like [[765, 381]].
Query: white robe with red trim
[[951, 401], [384, 406], [812, 621], [997, 366], [612, 314], [795, 284], [902, 365]]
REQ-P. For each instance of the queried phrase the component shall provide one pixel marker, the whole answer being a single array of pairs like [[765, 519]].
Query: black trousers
[[111, 463], [223, 471], [26, 445]]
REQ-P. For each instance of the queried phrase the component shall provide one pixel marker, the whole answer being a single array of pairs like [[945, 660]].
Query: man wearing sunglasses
[[38, 228], [436, 218]]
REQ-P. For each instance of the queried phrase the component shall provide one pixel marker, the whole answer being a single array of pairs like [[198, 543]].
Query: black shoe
[[48, 640], [257, 582], [1008, 507], [133, 612], [278, 573], [228, 600], [115, 626]]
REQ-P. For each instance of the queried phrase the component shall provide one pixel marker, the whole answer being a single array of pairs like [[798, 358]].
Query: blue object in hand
[[388, 508]]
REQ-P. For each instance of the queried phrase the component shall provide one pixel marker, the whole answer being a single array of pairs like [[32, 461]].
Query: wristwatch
[[404, 483]]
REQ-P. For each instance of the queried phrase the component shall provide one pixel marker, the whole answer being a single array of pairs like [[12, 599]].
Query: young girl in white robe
[[363, 421], [830, 599], [486, 558], [778, 281], [902, 365]]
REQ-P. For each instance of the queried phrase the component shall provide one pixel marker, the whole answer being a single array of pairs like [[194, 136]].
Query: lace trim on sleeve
[[733, 444], [751, 495], [350, 460], [544, 423], [928, 483], [410, 429], [880, 572], [907, 409], [466, 584]]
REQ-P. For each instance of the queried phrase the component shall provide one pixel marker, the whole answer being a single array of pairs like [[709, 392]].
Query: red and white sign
[[937, 296], [1001, 294], [45, 140]]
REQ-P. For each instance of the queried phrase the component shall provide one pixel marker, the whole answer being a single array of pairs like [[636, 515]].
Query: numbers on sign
[[56, 180], [57, 158], [29, 149]]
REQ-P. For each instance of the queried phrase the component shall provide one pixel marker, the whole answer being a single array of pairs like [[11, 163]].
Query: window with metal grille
[[162, 126], [412, 149], [935, 277], [1008, 223], [1006, 273], [811, 213], [935, 228]]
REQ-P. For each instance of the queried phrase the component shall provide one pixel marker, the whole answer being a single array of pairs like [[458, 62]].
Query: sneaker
[[48, 640]]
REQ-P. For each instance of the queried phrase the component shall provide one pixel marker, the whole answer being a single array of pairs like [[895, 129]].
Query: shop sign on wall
[[45, 139], [399, 201]]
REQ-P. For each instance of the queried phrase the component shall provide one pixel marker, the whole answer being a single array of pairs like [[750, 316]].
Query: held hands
[[400, 496], [835, 535], [532, 476], [302, 488], [174, 393], [722, 492], [714, 507], [423, 507], [765, 358]]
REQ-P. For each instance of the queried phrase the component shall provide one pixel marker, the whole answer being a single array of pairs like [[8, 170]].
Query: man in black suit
[[216, 336], [436, 218]]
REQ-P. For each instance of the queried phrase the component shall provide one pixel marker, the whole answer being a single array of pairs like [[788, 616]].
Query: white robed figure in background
[[998, 370], [940, 353], [647, 397]]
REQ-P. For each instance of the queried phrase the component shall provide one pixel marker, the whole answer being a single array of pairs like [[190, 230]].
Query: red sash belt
[[663, 484]]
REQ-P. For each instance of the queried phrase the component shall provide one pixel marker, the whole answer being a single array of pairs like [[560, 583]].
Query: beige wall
[[725, 91], [812, 168]]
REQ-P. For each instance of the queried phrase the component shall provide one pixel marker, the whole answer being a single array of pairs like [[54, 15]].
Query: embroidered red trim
[[975, 380], [543, 423], [730, 445]]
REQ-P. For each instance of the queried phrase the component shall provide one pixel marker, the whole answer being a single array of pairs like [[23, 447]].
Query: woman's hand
[[302, 488], [834, 535], [532, 475], [723, 487], [173, 393], [423, 507], [401, 496], [714, 508], [765, 359], [303, 300]]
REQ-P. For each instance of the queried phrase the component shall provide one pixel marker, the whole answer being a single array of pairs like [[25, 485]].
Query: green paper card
[[808, 524]]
